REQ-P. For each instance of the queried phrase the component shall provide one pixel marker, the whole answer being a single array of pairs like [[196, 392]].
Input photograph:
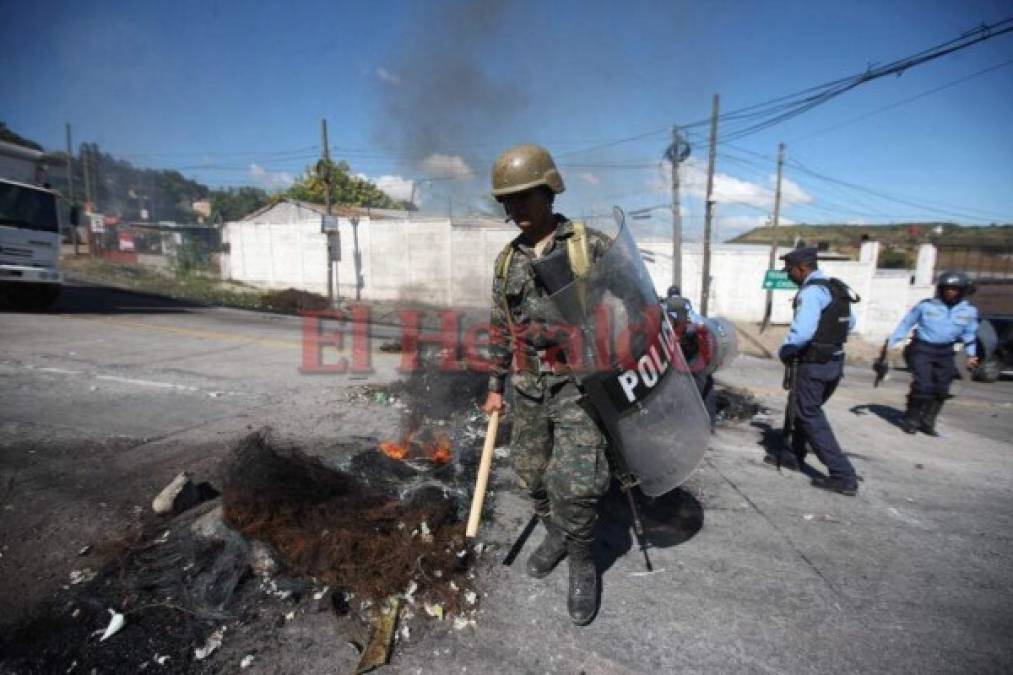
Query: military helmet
[[958, 280], [524, 167]]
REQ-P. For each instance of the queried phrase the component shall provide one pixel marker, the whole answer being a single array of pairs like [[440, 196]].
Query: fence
[[182, 249], [979, 261]]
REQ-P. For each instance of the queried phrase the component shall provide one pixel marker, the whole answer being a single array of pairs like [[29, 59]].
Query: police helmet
[[958, 280]]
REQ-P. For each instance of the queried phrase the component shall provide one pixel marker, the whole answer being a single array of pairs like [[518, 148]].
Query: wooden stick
[[482, 480]]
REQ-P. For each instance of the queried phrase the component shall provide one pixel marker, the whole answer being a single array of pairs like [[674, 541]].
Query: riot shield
[[722, 346], [627, 359]]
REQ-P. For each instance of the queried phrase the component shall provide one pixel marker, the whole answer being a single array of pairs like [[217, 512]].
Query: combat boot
[[548, 554], [932, 409], [782, 459], [582, 602], [912, 420], [838, 484]]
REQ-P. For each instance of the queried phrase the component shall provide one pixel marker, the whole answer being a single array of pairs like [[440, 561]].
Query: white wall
[[737, 272], [287, 250], [424, 260], [432, 261]]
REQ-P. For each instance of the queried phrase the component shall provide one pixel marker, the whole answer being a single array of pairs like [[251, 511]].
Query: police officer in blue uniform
[[815, 342], [939, 323]]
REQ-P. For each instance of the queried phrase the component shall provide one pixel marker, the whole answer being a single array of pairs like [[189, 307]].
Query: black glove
[[787, 352]]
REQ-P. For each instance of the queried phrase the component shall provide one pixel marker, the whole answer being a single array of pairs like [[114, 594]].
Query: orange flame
[[439, 451], [394, 450]]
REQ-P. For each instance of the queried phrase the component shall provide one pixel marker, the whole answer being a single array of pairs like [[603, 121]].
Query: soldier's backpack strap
[[503, 261], [580, 260], [502, 269], [578, 252]]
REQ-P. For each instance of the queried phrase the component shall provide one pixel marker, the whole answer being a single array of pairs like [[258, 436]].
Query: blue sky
[[232, 93]]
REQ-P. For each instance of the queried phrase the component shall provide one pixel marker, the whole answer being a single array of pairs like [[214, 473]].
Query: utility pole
[[87, 176], [70, 190], [356, 257], [709, 213], [677, 153], [96, 174], [87, 199], [333, 239], [768, 308]]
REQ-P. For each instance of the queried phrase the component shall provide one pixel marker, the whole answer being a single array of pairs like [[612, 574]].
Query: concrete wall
[[423, 260], [433, 261], [737, 272]]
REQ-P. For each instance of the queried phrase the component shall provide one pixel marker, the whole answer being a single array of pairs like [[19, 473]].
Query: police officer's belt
[[819, 352]]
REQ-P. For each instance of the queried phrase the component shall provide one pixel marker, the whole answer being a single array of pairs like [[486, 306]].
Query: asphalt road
[[110, 394]]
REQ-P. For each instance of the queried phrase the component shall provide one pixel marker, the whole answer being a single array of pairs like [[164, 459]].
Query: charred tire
[[988, 371], [30, 297]]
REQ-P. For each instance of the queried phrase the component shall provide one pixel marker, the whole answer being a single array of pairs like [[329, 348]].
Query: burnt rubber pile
[[210, 588], [327, 525]]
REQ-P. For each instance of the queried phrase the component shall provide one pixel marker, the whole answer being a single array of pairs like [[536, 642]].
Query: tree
[[234, 203], [346, 189]]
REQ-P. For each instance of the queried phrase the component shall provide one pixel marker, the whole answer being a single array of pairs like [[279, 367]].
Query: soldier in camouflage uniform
[[558, 449]]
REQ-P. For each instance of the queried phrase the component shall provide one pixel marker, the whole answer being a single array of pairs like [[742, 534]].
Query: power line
[[904, 101], [780, 112], [882, 195], [950, 210], [773, 111]]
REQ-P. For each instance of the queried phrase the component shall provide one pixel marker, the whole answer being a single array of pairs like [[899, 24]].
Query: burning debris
[[327, 525], [734, 405], [317, 539], [436, 447]]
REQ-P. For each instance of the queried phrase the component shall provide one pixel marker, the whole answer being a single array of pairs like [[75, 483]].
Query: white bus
[[30, 230]]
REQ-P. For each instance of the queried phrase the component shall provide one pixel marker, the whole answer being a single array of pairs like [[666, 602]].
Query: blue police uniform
[[938, 327], [816, 340]]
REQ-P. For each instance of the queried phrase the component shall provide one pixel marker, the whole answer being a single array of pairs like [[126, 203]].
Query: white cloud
[[791, 192], [729, 189], [589, 178], [395, 186], [447, 166], [388, 77], [270, 180]]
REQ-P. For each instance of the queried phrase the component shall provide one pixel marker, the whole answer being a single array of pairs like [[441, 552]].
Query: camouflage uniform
[[558, 450]]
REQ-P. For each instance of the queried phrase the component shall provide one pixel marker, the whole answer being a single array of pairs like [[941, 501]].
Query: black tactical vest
[[832, 329]]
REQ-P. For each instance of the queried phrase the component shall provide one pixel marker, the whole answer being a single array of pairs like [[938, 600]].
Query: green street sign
[[777, 280]]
